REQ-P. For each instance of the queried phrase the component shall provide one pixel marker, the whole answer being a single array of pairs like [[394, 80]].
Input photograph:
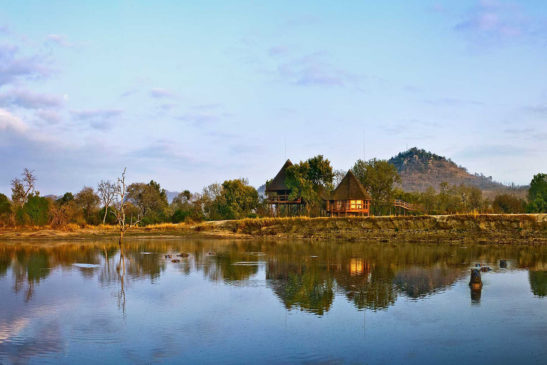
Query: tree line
[[313, 180]]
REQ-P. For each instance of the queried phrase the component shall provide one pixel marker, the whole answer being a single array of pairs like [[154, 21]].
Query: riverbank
[[482, 228]]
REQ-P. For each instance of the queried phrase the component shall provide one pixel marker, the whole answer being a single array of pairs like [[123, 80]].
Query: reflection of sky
[[190, 318]]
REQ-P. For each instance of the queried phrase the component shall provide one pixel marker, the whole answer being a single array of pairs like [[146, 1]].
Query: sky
[[190, 93]]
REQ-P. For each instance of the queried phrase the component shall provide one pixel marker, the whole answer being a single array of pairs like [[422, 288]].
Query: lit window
[[356, 204]]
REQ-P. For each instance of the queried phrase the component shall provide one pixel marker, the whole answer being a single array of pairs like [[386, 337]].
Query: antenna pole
[[364, 143]]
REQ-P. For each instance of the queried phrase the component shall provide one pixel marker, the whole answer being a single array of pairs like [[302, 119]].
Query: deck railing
[[402, 204], [282, 199]]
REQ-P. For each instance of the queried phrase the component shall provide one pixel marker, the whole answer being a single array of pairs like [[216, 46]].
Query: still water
[[271, 302]]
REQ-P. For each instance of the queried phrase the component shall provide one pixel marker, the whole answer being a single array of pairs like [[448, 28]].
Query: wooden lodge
[[349, 198], [278, 192]]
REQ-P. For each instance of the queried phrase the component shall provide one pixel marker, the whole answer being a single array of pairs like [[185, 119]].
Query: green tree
[[537, 194], [237, 199], [151, 200], [35, 211], [429, 200], [378, 177], [88, 201], [5, 210], [182, 207], [65, 199], [205, 203], [310, 180]]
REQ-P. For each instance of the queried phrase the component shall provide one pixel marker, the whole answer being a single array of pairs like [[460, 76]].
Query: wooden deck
[[402, 204], [282, 199]]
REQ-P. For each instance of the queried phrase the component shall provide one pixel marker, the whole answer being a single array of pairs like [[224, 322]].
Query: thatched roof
[[278, 183], [350, 189]]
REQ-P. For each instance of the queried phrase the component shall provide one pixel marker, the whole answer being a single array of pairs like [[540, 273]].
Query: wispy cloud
[[278, 50], [204, 114], [50, 116], [492, 21], [164, 150], [532, 134], [314, 70], [537, 109], [29, 100], [160, 93], [60, 40], [199, 118], [97, 118], [453, 102], [14, 66], [492, 151]]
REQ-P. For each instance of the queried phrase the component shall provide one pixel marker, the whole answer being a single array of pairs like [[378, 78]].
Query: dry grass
[[379, 227]]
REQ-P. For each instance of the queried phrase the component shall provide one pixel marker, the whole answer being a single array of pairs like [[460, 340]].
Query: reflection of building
[[278, 192], [358, 267], [349, 198]]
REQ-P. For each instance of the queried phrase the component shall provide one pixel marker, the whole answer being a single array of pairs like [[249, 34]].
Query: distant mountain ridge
[[420, 169]]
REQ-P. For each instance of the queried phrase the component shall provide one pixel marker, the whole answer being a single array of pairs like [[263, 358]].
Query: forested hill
[[420, 169]]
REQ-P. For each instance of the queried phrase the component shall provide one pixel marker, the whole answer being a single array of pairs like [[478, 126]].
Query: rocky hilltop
[[420, 169]]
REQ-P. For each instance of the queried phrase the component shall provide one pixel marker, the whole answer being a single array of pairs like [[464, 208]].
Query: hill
[[420, 169]]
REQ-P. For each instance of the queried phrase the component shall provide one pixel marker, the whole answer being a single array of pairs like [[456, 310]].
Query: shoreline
[[481, 228]]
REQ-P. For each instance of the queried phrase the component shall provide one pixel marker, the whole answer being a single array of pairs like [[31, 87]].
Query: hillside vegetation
[[420, 169]]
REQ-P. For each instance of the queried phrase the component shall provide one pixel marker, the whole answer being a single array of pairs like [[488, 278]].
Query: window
[[356, 204]]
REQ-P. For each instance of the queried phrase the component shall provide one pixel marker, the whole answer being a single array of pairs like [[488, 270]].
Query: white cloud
[[9, 121]]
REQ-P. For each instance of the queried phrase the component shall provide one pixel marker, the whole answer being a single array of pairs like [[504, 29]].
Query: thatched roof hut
[[349, 198], [350, 188], [278, 183]]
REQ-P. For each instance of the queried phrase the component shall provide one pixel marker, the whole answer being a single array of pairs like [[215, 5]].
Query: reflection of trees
[[229, 266], [29, 269], [370, 289], [302, 275], [306, 286], [416, 282], [538, 282]]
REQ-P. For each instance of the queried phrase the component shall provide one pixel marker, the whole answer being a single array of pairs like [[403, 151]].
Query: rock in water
[[503, 264], [475, 277]]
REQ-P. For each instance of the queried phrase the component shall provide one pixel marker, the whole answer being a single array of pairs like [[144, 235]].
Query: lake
[[271, 302]]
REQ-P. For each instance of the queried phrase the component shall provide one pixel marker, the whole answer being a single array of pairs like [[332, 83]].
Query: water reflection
[[538, 282], [303, 276], [218, 301]]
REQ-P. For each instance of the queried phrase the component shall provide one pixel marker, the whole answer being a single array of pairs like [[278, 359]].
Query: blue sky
[[190, 93]]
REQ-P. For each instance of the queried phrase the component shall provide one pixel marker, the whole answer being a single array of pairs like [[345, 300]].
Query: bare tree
[[120, 205], [22, 188], [107, 191]]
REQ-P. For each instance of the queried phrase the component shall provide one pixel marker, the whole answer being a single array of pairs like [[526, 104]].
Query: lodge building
[[350, 198], [278, 192]]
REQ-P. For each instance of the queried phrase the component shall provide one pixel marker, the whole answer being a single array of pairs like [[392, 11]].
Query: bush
[[507, 203], [35, 211], [180, 216]]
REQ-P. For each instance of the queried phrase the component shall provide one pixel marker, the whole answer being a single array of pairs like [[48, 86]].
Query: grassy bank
[[485, 228]]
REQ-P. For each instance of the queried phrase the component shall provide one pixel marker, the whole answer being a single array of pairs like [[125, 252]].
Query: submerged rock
[[503, 264]]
